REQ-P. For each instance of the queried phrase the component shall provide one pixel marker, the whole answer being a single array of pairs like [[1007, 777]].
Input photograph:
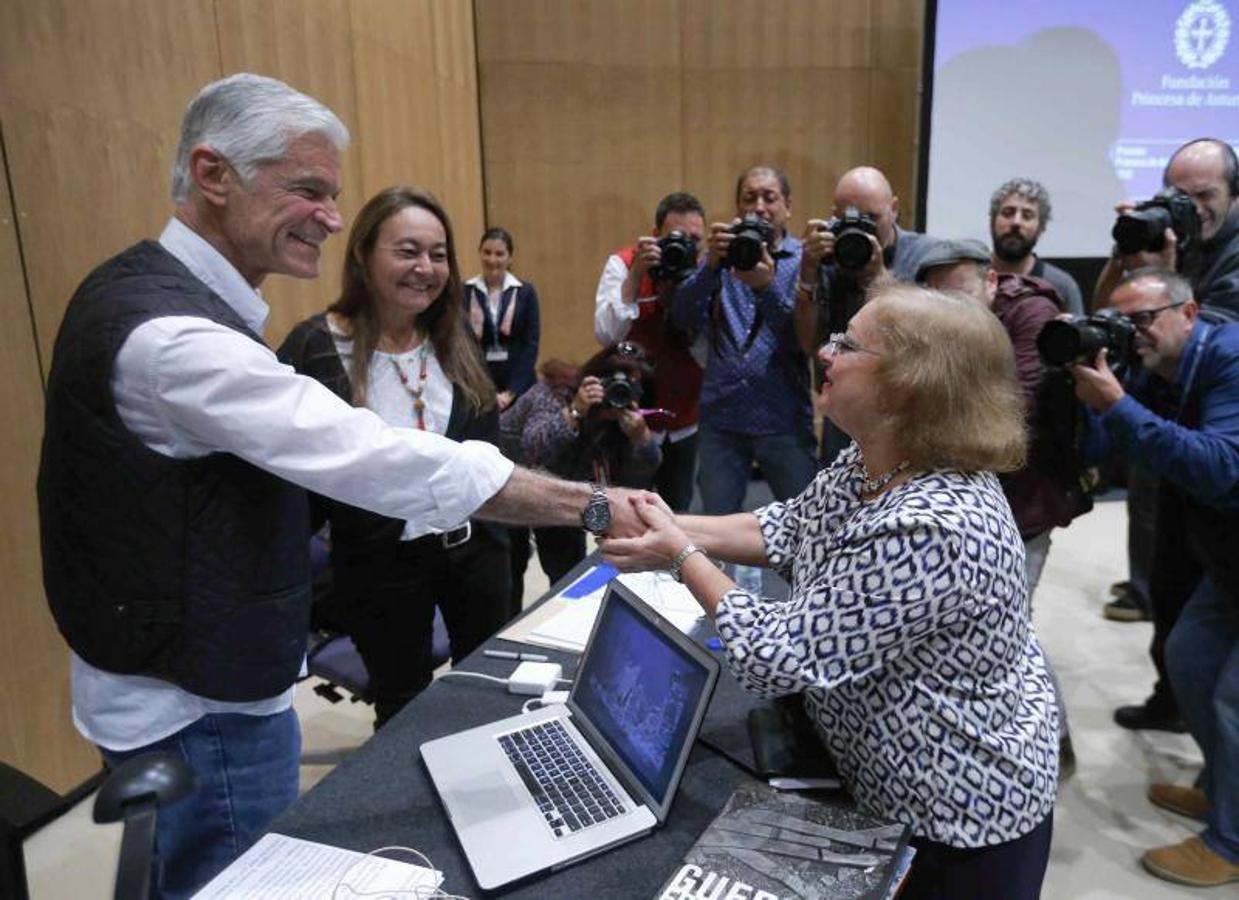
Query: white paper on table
[[284, 868], [569, 627]]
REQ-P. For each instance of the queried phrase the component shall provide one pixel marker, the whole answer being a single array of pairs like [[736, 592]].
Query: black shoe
[[1127, 608], [1066, 758], [1119, 588], [1141, 718]]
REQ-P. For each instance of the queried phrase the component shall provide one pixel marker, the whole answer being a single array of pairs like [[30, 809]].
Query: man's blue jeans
[[1202, 658], [247, 767], [726, 458]]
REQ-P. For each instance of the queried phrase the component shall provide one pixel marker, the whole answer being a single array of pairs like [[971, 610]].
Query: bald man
[[1207, 170], [828, 294]]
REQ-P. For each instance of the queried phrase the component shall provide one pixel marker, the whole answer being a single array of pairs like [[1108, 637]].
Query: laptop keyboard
[[568, 789]]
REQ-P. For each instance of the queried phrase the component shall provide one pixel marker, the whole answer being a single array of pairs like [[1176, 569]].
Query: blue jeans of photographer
[[726, 459], [1202, 659]]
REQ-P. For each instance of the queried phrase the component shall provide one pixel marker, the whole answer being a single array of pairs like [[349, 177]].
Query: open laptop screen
[[640, 690]]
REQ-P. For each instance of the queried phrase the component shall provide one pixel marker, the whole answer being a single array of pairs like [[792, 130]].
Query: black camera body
[[1079, 339], [752, 233], [1144, 228], [678, 256], [852, 231], [619, 391]]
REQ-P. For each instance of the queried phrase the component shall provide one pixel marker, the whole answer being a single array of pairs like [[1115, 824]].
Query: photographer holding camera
[[755, 396], [583, 424], [1192, 444], [1163, 232], [631, 304], [843, 258]]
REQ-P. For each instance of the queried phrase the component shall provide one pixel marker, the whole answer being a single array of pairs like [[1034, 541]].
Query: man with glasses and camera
[[755, 402], [844, 257], [1190, 227], [631, 303], [1189, 438]]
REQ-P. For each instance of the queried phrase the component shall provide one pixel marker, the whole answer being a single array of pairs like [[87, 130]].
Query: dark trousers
[[674, 481], [389, 599], [559, 549], [1173, 575], [1010, 871]]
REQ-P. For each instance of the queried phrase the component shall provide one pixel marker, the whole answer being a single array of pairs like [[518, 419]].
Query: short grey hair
[[249, 120], [1175, 289], [1028, 188]]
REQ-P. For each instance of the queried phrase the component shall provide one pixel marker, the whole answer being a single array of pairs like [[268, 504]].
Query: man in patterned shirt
[[755, 397]]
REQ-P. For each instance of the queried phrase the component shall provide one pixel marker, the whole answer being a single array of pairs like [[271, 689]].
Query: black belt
[[457, 536]]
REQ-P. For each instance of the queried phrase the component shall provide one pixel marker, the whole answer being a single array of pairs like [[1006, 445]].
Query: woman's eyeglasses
[[842, 343]]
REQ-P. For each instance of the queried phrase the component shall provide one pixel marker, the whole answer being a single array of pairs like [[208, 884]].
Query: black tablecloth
[[381, 795]]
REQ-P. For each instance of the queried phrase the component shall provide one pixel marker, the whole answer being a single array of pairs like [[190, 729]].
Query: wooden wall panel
[[37, 735], [91, 92], [90, 95], [417, 104], [592, 112], [582, 115], [307, 44]]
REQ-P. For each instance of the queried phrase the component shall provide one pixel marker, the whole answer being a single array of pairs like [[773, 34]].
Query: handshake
[[644, 533]]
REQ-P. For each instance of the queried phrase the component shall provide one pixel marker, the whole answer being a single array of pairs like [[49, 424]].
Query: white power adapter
[[534, 678]]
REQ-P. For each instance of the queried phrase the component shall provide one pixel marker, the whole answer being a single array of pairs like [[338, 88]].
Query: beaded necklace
[[419, 404], [871, 484]]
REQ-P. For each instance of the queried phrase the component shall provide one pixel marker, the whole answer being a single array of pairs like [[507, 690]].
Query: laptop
[[542, 790]]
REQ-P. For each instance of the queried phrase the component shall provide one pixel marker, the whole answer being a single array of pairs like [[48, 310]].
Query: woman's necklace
[[419, 404], [872, 484]]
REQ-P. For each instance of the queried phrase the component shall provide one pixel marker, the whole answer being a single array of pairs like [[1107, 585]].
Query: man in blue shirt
[[755, 396], [1195, 449]]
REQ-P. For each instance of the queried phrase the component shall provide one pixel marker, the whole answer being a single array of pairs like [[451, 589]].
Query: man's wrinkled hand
[[661, 538], [625, 522]]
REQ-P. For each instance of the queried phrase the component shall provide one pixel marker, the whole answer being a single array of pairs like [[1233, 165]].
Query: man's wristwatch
[[678, 563], [596, 517]]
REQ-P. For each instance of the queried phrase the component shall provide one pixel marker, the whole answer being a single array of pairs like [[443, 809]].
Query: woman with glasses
[[503, 314], [907, 629], [396, 343], [583, 424]]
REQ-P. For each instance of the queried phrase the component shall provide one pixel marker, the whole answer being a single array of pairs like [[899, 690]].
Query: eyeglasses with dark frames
[[1143, 319]]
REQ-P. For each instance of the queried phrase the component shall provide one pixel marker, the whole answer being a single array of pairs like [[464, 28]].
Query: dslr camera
[[679, 256], [751, 234], [852, 231], [1078, 339], [1144, 228], [619, 391]]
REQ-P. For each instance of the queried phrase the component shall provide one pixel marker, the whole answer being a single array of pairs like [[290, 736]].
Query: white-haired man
[[176, 456]]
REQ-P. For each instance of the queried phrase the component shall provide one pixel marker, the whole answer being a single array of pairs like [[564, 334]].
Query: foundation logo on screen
[[1201, 34]]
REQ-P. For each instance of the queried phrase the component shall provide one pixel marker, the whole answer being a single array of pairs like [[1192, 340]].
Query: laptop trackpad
[[485, 797]]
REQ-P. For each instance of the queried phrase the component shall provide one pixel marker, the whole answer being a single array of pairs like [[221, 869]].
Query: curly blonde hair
[[947, 380]]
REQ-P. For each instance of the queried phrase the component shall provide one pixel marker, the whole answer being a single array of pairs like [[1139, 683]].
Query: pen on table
[[509, 654]]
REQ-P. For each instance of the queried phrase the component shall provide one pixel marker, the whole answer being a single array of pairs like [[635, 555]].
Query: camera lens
[[1142, 229], [852, 249]]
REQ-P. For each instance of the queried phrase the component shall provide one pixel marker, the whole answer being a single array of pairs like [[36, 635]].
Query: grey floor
[[1102, 821]]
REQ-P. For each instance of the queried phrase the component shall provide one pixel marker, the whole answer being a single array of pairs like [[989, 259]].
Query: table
[[380, 795]]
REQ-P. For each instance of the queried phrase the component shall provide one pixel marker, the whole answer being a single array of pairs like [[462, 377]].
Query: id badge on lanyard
[[496, 353]]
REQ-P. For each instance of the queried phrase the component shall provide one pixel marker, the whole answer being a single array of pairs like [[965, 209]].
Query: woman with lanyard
[[583, 424], [395, 342], [503, 312]]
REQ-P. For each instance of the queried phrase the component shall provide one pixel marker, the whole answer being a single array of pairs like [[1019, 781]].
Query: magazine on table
[[771, 845]]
